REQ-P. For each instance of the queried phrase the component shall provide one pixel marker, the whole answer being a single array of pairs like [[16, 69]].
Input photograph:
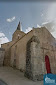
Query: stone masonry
[[2, 52], [27, 52], [31, 60]]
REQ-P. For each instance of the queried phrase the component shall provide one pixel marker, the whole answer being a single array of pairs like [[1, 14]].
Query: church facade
[[27, 52]]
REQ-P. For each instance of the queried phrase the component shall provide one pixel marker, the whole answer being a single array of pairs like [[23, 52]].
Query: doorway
[[47, 63]]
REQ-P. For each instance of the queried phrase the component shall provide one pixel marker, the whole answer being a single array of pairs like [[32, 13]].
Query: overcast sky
[[31, 14]]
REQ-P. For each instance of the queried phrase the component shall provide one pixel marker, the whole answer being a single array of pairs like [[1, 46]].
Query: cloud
[[3, 38], [51, 12], [45, 23], [50, 17], [10, 19], [50, 25], [38, 26], [42, 15], [28, 29]]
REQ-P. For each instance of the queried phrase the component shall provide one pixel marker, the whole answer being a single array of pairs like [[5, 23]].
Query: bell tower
[[19, 26], [18, 33]]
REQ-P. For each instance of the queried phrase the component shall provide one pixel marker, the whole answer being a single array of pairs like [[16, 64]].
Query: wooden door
[[47, 62]]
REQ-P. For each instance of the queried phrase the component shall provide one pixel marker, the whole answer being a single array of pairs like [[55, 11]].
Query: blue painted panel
[[49, 79]]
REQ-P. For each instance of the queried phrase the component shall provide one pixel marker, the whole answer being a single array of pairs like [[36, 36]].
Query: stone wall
[[48, 46], [17, 35], [2, 51], [20, 55], [34, 60], [7, 56], [7, 46], [40, 45], [28, 53]]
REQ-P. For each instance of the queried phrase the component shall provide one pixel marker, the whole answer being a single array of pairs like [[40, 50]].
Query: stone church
[[27, 52]]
